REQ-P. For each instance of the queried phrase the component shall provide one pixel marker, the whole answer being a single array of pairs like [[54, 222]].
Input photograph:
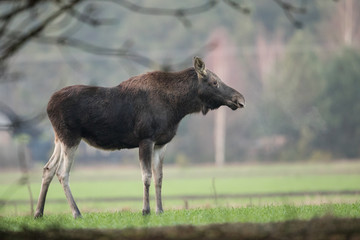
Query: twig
[[289, 10], [214, 190]]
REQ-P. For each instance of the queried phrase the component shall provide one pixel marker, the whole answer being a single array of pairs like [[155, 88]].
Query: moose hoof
[[158, 212], [38, 214], [77, 215], [145, 212]]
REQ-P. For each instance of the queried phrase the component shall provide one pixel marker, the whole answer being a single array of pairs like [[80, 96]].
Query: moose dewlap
[[142, 112]]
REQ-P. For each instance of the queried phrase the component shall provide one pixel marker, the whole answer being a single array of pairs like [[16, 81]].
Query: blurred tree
[[342, 27], [339, 105], [108, 28], [289, 96]]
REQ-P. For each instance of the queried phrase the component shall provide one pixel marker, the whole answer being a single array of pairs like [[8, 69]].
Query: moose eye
[[215, 84]]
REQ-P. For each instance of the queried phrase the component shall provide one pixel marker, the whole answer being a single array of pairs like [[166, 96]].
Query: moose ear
[[199, 66]]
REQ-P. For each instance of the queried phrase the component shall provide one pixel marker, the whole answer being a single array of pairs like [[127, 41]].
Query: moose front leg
[[158, 158], [145, 155]]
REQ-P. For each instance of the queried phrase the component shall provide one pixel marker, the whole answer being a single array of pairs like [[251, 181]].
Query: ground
[[319, 228]]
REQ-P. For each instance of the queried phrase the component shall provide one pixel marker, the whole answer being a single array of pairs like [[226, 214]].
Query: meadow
[[110, 196], [196, 217]]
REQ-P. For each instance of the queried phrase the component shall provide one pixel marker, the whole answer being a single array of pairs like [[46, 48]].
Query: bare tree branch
[[7, 17], [123, 52], [13, 12], [88, 19], [15, 42], [19, 125], [289, 10], [164, 11], [179, 13], [237, 6], [11, 47]]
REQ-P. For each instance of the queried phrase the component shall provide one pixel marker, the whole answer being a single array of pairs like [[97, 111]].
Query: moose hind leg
[[145, 155], [48, 174], [158, 158], [63, 173]]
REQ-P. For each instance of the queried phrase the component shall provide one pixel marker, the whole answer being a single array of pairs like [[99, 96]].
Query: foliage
[[290, 94], [339, 105], [311, 99]]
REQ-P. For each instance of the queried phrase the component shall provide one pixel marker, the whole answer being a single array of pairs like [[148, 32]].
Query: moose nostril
[[240, 101], [241, 105]]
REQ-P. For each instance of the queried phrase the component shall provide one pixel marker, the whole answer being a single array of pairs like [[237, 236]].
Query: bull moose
[[142, 112]]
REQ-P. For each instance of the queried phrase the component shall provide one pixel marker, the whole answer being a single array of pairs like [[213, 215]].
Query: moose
[[142, 112]]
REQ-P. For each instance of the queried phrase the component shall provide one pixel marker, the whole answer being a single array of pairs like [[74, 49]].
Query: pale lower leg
[[48, 174], [145, 156], [159, 153], [63, 173]]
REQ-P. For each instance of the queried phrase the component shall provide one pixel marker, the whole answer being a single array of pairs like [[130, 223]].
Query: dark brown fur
[[149, 106], [143, 112]]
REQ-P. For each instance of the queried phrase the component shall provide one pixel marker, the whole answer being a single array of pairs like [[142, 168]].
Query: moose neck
[[181, 91], [177, 90]]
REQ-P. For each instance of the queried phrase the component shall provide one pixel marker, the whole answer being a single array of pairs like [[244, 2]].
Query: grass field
[[110, 197], [203, 216]]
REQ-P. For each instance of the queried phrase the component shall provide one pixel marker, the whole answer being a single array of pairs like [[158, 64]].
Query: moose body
[[142, 112]]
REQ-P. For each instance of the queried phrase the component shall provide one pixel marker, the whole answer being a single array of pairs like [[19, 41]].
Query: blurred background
[[297, 62]]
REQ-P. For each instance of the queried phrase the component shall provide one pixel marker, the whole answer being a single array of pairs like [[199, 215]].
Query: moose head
[[214, 93]]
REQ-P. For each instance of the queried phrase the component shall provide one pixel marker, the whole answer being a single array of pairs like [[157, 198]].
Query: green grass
[[174, 187], [108, 182], [126, 219]]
